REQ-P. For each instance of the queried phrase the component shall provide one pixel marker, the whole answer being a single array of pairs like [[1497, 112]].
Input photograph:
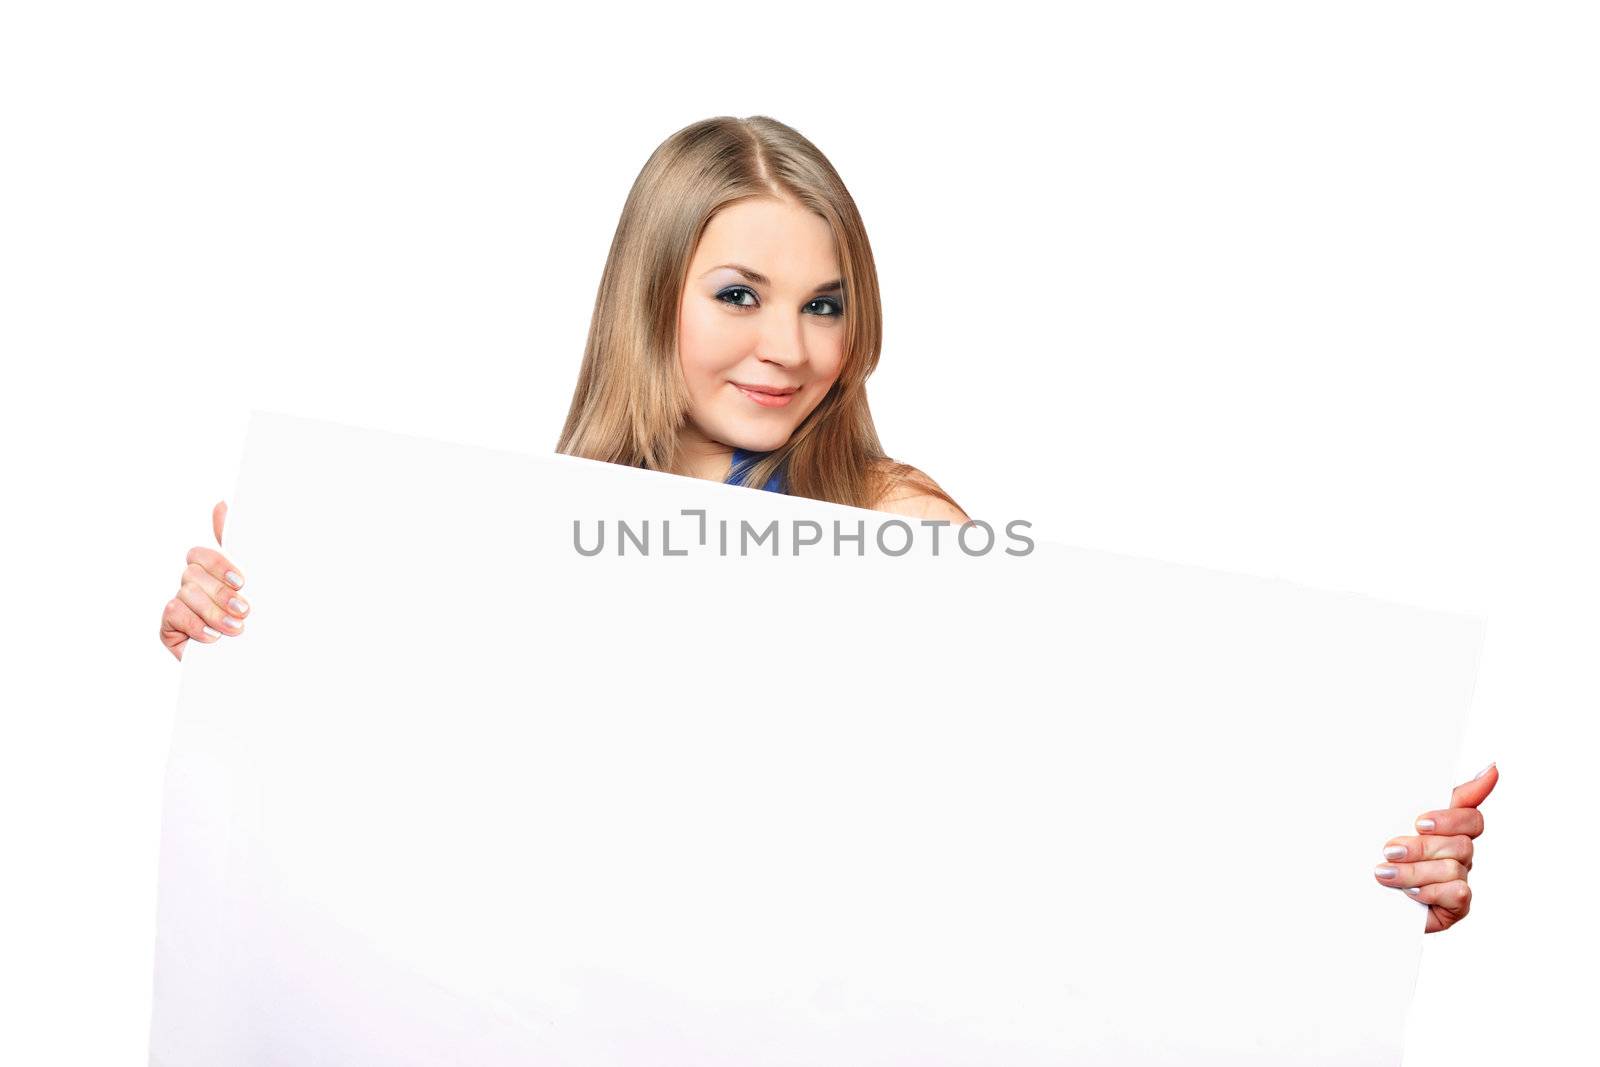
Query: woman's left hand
[[1433, 866]]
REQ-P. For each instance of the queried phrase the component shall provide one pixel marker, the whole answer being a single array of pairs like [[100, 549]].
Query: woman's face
[[762, 307]]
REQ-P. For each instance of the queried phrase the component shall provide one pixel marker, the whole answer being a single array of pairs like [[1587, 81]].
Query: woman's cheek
[[830, 371], [708, 346], [692, 349]]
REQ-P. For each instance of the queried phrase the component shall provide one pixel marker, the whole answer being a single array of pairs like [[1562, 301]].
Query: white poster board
[[463, 794]]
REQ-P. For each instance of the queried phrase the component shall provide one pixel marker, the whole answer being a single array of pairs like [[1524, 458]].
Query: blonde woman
[[736, 325]]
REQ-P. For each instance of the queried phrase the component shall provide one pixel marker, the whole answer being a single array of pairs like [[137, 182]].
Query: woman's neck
[[701, 457]]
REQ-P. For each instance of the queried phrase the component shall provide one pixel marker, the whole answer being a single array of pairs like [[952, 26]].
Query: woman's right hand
[[206, 607]]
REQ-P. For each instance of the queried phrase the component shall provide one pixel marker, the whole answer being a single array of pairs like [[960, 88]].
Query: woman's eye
[[736, 291], [735, 295]]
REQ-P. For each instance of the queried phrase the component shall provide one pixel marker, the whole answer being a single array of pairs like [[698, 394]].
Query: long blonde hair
[[631, 399]]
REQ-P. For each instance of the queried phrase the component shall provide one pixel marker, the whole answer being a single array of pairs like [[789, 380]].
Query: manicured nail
[[238, 606], [232, 623], [1386, 872], [1415, 891], [1394, 852], [1483, 772], [234, 580], [1424, 824], [210, 631]]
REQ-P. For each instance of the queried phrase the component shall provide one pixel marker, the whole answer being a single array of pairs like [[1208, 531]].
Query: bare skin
[[782, 330], [764, 306], [208, 606], [1432, 865]]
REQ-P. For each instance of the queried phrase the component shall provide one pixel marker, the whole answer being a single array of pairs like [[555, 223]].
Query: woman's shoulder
[[903, 489]]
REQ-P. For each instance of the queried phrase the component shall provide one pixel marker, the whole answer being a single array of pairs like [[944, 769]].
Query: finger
[[173, 636], [1447, 821], [216, 564], [1410, 875], [179, 623], [192, 593], [222, 595], [1429, 847], [219, 515], [1448, 903], [1471, 794]]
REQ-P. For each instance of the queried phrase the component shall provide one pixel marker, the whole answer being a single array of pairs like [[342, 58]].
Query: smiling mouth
[[771, 390], [767, 396]]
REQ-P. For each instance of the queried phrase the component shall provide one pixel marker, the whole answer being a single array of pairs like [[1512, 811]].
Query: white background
[[1301, 291]]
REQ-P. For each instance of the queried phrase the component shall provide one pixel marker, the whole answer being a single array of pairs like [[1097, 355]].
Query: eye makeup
[[738, 291]]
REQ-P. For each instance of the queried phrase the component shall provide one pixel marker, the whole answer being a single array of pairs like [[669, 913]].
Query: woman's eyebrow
[[761, 279]]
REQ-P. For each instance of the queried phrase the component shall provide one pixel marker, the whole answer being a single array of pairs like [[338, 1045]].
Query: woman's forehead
[[781, 242]]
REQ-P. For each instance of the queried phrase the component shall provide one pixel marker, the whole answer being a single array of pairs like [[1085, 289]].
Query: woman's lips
[[766, 400]]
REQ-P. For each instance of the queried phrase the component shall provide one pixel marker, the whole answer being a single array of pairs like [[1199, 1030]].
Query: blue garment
[[743, 461]]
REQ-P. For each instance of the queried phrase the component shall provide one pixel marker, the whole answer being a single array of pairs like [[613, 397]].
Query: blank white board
[[461, 793]]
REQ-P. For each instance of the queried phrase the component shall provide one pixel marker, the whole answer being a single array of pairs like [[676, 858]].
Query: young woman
[[735, 328]]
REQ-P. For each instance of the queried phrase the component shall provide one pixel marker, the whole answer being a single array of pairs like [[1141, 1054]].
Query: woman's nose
[[784, 345]]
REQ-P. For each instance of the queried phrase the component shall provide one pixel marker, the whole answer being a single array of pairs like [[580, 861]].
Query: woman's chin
[[759, 444], [741, 434]]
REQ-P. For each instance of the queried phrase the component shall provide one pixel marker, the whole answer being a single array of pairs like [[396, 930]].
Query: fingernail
[[1424, 824], [1385, 872], [1394, 852], [231, 623], [210, 631], [1483, 772], [238, 605], [1415, 891], [234, 580]]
